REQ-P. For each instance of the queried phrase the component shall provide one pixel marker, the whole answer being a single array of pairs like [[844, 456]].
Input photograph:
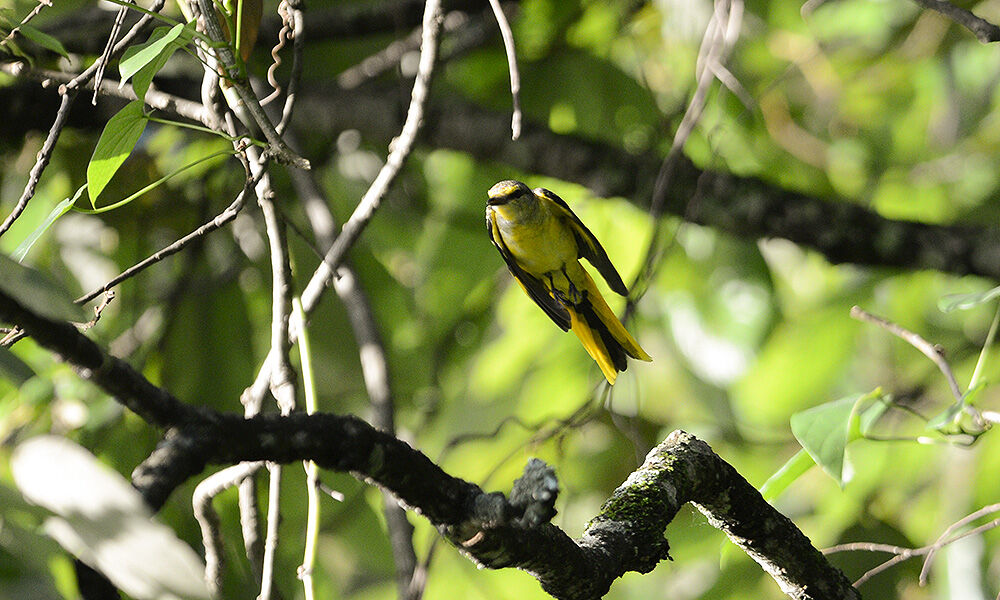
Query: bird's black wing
[[586, 242], [531, 285]]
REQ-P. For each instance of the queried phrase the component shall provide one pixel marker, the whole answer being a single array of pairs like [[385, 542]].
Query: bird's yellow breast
[[539, 240]]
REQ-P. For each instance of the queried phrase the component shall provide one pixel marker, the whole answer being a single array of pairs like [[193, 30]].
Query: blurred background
[[875, 103]]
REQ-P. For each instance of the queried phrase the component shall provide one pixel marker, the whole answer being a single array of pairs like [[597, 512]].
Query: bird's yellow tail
[[600, 331]]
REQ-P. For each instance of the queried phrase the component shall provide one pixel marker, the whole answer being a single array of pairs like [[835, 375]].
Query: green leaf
[[14, 369], [823, 432], [59, 210], [796, 466], [952, 302], [829, 429], [142, 62], [117, 141], [43, 39], [101, 519], [946, 420], [35, 291]]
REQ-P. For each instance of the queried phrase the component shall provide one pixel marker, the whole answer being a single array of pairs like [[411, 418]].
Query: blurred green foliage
[[872, 102]]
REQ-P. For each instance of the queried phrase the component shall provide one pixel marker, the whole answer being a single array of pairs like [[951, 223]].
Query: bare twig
[[374, 367], [109, 48], [388, 58], [944, 539], [515, 78], [277, 148], [379, 62], [271, 536], [720, 37], [282, 382], [42, 161], [928, 551], [123, 43], [298, 35], [928, 349], [99, 309], [218, 221], [168, 103], [208, 519], [400, 149], [984, 31]]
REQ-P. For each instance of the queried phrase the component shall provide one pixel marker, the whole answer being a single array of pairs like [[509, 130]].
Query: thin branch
[[984, 31], [271, 535], [278, 148], [400, 149], [374, 367], [721, 35], [928, 349], [123, 43], [168, 103], [109, 48], [471, 33], [42, 161], [943, 539], [99, 310], [218, 221], [929, 551], [208, 518], [379, 62], [282, 380], [515, 77]]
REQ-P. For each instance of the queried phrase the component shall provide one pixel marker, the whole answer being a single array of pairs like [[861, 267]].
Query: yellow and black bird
[[542, 240]]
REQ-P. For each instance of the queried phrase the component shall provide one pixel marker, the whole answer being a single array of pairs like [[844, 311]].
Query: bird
[[541, 239]]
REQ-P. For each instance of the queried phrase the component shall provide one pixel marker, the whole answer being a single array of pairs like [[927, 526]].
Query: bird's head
[[507, 191]]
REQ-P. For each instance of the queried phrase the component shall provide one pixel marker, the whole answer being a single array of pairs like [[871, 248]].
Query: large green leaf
[[43, 39], [143, 61], [824, 432], [37, 292], [100, 518], [59, 210], [117, 141]]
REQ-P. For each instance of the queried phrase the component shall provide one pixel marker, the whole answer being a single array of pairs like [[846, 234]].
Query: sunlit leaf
[[60, 209], [43, 39], [953, 302], [142, 62], [117, 141], [37, 292], [100, 518], [823, 432]]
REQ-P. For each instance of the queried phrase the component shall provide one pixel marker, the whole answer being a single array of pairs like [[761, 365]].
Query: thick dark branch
[[984, 31], [154, 404], [745, 206], [626, 536], [733, 505]]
